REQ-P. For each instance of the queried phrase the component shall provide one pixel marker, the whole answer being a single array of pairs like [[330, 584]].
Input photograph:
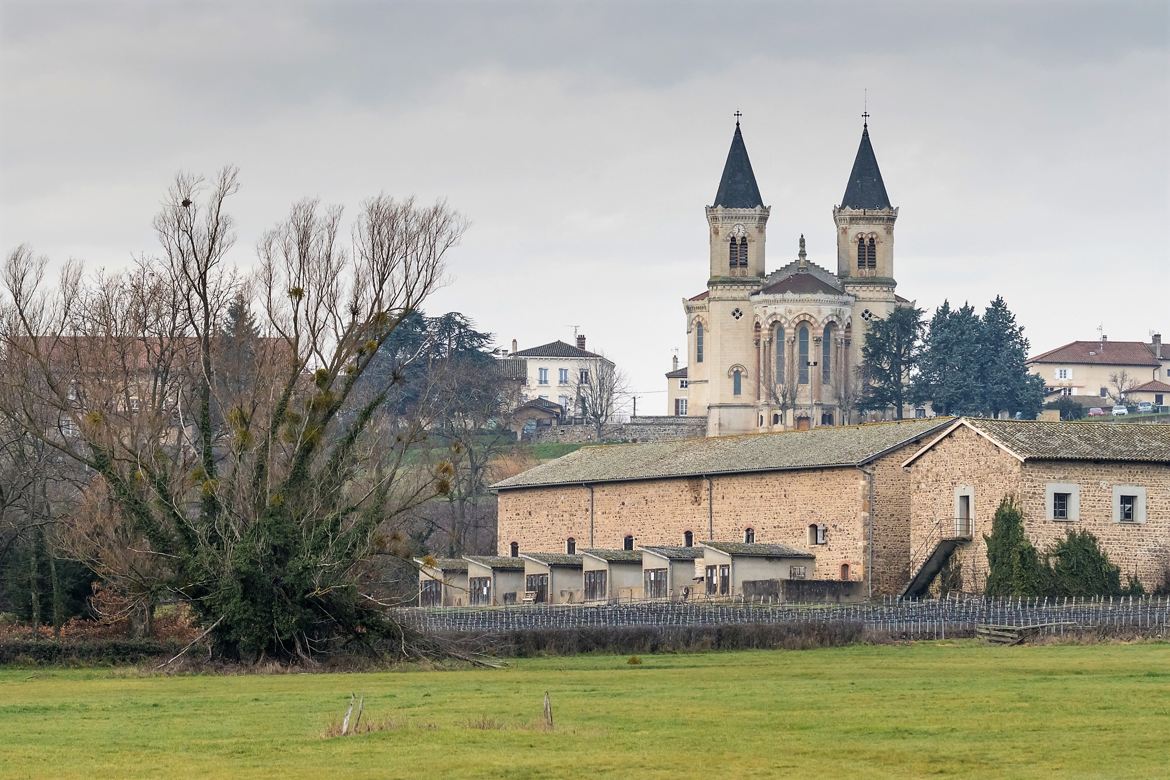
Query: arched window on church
[[802, 354], [736, 382], [862, 254], [778, 341], [871, 254], [699, 342], [733, 253], [743, 252], [827, 354]]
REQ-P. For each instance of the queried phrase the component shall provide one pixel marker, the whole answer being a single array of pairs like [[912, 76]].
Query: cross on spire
[[738, 114]]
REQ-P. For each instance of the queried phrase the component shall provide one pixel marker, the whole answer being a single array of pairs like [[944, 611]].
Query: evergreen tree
[[950, 368], [1008, 386], [1014, 566], [890, 360]]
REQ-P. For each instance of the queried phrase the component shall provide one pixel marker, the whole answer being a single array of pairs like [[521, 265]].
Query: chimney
[[674, 363], [515, 347], [1158, 346], [580, 342]]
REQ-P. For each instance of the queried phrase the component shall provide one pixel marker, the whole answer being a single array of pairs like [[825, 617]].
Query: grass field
[[871, 711]]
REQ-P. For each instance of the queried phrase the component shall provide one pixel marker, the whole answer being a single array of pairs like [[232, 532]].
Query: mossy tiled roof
[[615, 556], [445, 564], [758, 550], [676, 553], [820, 447], [554, 559], [1044, 440], [498, 562]]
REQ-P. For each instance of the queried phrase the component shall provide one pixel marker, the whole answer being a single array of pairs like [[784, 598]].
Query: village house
[[1111, 479], [612, 575], [1103, 371], [493, 580], [557, 371], [839, 493]]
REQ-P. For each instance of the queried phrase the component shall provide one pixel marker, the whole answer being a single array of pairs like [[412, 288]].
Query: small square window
[[1127, 506], [1060, 503]]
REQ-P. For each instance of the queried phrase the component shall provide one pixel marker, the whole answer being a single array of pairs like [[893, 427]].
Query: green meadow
[[928, 709]]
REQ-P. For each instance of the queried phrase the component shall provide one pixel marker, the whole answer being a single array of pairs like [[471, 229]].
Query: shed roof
[[676, 553], [503, 562], [444, 564], [1081, 440], [758, 550], [554, 559], [789, 450], [614, 556], [1153, 386]]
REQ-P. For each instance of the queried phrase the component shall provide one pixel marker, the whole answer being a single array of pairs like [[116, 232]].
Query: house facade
[[1111, 479], [1102, 369], [556, 372]]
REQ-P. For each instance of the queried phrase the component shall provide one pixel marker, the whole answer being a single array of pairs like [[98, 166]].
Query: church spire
[[865, 189], [738, 188]]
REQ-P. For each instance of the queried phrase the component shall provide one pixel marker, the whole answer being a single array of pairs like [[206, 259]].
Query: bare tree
[[260, 506], [599, 392], [782, 394], [1120, 384]]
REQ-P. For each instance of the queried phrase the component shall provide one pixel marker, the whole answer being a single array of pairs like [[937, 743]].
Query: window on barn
[[688, 539], [571, 546], [845, 572], [515, 549], [628, 543], [749, 536], [797, 572], [1060, 503]]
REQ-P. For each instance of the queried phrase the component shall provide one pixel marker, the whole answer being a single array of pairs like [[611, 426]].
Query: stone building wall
[[1140, 549], [778, 506], [892, 506], [963, 459], [637, 429]]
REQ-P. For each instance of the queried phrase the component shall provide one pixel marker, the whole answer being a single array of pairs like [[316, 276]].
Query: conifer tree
[[950, 368], [1008, 386], [890, 360], [1014, 566]]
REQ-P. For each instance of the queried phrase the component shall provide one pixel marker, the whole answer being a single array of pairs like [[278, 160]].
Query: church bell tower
[[738, 222]]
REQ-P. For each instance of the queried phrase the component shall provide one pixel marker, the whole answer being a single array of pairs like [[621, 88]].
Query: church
[[778, 350]]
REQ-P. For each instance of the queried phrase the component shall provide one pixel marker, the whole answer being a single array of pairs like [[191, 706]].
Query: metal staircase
[[944, 538]]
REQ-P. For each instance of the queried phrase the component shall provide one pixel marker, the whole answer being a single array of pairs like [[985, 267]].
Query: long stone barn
[[840, 494]]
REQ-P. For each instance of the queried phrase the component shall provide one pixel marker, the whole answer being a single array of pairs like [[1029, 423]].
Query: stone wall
[[778, 506], [637, 429], [1140, 549], [963, 459]]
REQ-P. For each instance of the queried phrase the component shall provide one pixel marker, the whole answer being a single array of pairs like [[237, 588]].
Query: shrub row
[[666, 639], [90, 652]]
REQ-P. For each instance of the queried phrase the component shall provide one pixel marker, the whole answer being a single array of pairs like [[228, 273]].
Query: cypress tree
[[1014, 566]]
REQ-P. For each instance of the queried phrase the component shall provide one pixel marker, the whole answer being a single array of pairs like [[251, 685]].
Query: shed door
[[725, 580], [537, 583], [430, 593], [655, 583], [595, 585], [712, 580], [480, 590]]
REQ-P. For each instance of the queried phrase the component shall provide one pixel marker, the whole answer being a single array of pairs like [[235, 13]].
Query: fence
[[899, 618]]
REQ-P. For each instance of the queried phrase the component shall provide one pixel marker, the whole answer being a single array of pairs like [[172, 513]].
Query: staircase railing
[[944, 529]]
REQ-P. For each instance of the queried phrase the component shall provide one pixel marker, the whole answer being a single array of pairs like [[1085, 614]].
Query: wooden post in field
[[345, 720], [548, 718]]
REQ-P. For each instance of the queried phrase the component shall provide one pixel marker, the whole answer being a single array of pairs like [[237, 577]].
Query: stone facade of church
[[777, 350]]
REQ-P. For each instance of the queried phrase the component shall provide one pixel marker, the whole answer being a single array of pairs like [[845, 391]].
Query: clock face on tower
[[739, 231]]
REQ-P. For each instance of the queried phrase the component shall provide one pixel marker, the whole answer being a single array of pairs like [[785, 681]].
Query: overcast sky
[[1025, 143]]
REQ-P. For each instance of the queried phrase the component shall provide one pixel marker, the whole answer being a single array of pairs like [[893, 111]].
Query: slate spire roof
[[738, 188], [865, 189]]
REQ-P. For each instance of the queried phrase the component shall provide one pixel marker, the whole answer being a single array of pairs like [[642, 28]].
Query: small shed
[[612, 574], [728, 565], [442, 582], [670, 572], [494, 579], [552, 578]]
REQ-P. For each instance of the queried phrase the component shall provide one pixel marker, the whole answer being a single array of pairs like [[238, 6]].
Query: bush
[[93, 652], [1014, 566], [1077, 566], [1068, 408]]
